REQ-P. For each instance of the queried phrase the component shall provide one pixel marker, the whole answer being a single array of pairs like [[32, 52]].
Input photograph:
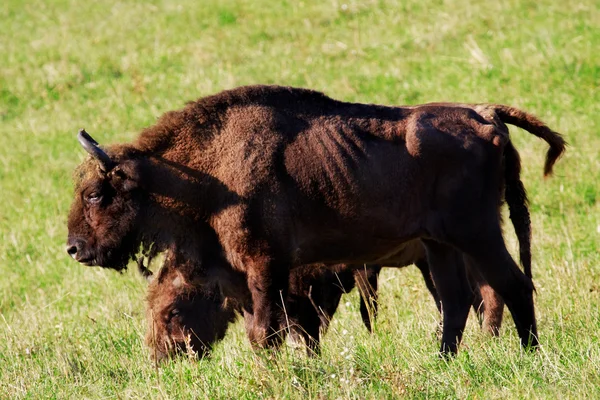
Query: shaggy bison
[[277, 177], [184, 313]]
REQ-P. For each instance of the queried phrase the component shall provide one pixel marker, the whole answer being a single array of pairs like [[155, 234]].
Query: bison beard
[[280, 177]]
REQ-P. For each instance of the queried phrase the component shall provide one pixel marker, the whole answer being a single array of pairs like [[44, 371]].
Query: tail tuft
[[516, 198]]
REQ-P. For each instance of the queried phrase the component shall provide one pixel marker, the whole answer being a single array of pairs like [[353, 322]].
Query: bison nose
[[74, 246]]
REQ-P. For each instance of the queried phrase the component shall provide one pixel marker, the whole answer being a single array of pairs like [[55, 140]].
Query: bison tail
[[530, 123], [518, 205]]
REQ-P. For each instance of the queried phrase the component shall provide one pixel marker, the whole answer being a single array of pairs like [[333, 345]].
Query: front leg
[[268, 283], [248, 246]]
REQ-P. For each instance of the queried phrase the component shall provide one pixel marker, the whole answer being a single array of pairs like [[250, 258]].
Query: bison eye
[[94, 198], [175, 312]]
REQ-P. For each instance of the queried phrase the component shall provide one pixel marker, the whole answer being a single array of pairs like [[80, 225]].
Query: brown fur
[[313, 297], [203, 313], [279, 177]]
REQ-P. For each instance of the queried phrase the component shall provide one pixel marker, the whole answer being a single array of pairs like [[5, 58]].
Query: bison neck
[[178, 201]]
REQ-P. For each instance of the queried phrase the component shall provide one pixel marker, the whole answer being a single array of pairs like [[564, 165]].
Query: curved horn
[[143, 270], [91, 146]]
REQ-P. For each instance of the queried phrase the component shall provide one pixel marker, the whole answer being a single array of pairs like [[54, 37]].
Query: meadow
[[113, 67]]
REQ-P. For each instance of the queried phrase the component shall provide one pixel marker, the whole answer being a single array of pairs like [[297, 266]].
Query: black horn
[[91, 146], [143, 270]]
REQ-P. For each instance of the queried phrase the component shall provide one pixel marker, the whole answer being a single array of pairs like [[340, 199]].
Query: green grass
[[67, 331]]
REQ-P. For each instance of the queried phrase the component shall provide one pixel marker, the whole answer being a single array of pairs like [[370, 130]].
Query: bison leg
[[487, 254], [309, 330], [423, 266], [366, 279], [493, 309], [487, 304], [450, 278], [304, 322], [268, 288]]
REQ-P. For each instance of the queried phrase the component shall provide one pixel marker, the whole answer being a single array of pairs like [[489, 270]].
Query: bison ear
[[177, 279], [144, 271], [163, 272], [125, 176]]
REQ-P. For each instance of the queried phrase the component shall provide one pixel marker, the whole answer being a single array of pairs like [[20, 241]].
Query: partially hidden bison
[[274, 178], [184, 313]]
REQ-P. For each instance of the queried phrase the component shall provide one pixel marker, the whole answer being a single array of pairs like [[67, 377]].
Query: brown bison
[[183, 313], [276, 177]]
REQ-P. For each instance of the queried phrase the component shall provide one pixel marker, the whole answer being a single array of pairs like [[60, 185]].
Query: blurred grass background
[[113, 67]]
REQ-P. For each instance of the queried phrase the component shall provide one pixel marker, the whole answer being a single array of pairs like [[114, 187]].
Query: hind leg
[[487, 304], [366, 279], [478, 306], [449, 275], [423, 266], [493, 310], [486, 254]]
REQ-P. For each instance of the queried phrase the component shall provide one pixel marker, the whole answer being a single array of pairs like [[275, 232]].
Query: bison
[[184, 313], [277, 177]]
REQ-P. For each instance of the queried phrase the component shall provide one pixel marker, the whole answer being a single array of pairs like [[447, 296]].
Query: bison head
[[108, 203], [183, 314]]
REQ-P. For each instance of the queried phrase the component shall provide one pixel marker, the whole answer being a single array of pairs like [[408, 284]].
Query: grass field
[[68, 331]]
